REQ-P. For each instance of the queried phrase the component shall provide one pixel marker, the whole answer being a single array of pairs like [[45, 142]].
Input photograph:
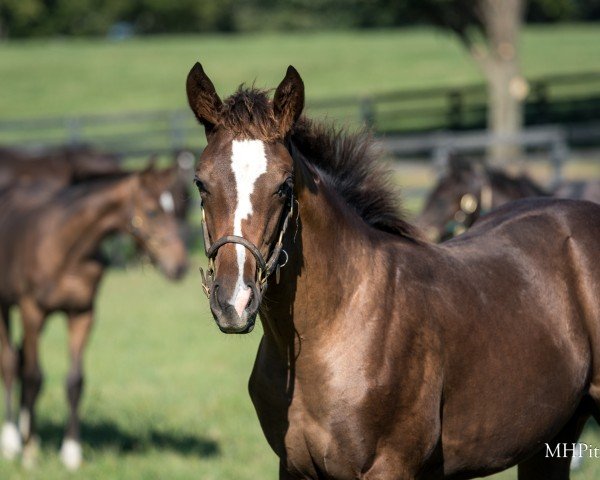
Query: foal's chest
[[312, 442], [319, 450]]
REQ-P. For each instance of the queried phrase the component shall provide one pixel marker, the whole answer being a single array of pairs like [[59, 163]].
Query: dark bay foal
[[468, 190], [49, 245], [384, 356]]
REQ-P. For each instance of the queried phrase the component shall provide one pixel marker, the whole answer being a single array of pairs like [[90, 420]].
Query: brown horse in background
[[467, 190], [385, 356], [49, 258], [68, 165], [58, 167]]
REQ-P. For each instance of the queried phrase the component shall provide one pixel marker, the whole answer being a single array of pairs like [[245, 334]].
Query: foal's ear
[[288, 101], [203, 98]]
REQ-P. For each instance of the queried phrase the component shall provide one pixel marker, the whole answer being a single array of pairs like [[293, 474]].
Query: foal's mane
[[349, 161]]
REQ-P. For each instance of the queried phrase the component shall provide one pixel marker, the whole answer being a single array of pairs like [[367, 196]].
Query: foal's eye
[[285, 188], [152, 213], [199, 185]]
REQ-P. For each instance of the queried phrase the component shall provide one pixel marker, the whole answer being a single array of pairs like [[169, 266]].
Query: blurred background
[[512, 86]]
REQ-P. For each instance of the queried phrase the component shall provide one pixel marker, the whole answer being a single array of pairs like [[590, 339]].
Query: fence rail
[[572, 100]]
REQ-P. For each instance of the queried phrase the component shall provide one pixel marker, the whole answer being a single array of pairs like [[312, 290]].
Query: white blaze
[[166, 202], [248, 162]]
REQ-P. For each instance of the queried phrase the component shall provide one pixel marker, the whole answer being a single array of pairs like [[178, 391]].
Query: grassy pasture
[[166, 391], [60, 77]]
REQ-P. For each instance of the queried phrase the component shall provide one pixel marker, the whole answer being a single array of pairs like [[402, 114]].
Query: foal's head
[[153, 223], [454, 203], [245, 178]]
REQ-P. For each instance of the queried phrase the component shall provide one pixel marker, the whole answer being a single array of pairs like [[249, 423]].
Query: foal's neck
[[96, 215], [326, 249]]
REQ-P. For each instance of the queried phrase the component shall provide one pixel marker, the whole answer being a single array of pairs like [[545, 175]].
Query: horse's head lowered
[[461, 195], [153, 224], [246, 181]]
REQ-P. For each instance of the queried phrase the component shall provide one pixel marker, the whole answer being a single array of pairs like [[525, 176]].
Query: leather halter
[[265, 267]]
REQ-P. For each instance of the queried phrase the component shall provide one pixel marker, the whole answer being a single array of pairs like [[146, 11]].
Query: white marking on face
[[166, 202], [248, 162]]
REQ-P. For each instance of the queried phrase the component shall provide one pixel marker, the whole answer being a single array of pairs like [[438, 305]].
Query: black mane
[[350, 161]]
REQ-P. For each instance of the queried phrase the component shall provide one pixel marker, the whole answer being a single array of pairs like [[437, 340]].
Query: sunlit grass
[[65, 77]]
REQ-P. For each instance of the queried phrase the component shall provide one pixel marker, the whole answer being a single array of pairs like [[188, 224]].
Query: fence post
[[177, 128], [367, 112], [73, 128], [559, 153], [455, 112], [540, 112]]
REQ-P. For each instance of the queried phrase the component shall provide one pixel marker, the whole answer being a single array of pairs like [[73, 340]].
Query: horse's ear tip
[[197, 69]]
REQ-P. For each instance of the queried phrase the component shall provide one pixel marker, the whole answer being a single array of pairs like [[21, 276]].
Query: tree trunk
[[507, 89]]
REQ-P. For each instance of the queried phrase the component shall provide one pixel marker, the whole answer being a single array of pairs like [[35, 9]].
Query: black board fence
[[569, 100]]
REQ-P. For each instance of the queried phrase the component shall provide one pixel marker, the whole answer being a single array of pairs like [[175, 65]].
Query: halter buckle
[[208, 278]]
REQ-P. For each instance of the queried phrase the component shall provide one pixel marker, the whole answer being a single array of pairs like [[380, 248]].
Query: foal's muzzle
[[226, 314], [230, 315], [226, 311]]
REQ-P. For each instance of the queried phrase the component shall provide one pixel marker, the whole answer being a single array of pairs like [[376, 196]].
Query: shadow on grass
[[105, 435], [592, 426]]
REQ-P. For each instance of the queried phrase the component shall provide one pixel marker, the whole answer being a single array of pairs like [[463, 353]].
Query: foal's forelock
[[248, 163]]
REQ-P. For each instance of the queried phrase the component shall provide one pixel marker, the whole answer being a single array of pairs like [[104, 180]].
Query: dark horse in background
[[467, 190], [385, 356], [49, 259]]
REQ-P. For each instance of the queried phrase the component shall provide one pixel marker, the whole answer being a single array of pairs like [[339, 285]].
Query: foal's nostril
[[220, 296]]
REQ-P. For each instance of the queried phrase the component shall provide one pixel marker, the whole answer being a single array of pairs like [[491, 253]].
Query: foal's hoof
[[31, 453], [10, 441], [71, 454]]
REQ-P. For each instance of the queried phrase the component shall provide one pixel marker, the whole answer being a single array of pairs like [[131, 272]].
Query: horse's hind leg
[[551, 463], [80, 324], [10, 440], [31, 378]]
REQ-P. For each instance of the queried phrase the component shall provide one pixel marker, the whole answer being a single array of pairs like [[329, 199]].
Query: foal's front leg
[[80, 324], [10, 439], [31, 377]]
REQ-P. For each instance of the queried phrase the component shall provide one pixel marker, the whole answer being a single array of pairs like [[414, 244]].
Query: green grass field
[[61, 77], [166, 391]]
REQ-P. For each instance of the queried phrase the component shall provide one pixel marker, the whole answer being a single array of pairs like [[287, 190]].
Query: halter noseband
[[265, 267]]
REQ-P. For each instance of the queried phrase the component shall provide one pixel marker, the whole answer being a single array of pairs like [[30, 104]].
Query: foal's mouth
[[233, 330]]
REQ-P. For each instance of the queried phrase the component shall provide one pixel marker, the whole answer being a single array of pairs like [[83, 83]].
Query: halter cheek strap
[[265, 267]]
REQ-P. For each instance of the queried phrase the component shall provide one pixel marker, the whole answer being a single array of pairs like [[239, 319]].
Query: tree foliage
[[23, 18]]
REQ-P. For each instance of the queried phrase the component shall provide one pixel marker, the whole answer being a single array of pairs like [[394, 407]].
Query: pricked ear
[[203, 98], [158, 180], [288, 101]]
